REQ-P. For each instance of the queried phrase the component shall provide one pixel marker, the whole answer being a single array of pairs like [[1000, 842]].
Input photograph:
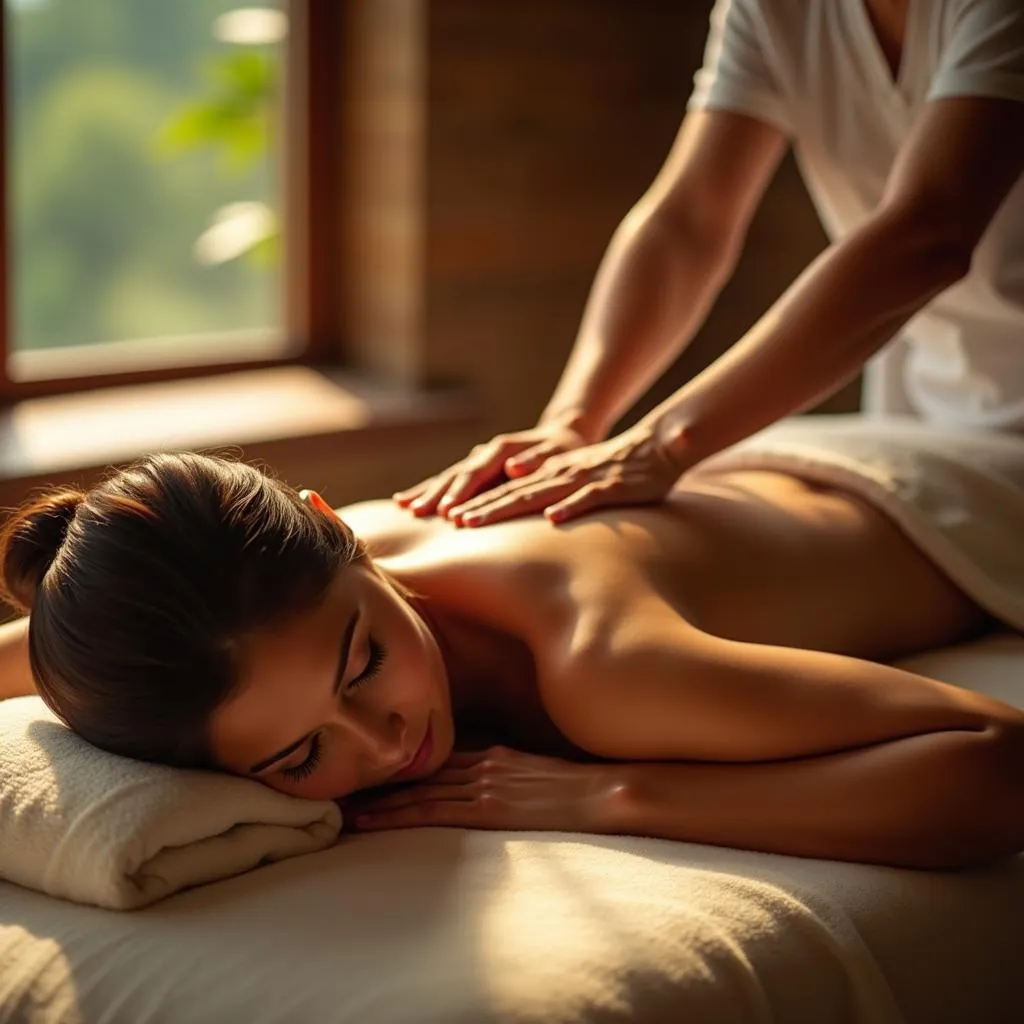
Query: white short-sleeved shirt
[[815, 69]]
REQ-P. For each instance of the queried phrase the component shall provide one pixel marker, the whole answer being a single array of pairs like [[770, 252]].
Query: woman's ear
[[314, 499]]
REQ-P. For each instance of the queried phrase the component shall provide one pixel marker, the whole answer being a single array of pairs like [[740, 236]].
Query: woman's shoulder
[[515, 559], [522, 575], [386, 528], [529, 549], [390, 531]]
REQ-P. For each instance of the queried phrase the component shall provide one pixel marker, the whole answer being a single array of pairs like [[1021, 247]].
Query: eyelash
[[302, 771], [373, 663]]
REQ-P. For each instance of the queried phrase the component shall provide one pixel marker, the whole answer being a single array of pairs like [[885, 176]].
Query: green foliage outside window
[[132, 129]]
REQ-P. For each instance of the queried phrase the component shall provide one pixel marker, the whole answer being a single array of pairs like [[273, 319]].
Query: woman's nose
[[384, 744]]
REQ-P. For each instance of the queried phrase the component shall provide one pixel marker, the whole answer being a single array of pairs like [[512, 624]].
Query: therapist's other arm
[[955, 170], [663, 269], [15, 674]]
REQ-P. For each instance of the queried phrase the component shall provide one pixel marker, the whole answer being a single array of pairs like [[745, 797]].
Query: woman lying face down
[[349, 695], [195, 612]]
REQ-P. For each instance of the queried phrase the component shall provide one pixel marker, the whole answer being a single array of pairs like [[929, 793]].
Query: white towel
[[957, 493], [93, 827]]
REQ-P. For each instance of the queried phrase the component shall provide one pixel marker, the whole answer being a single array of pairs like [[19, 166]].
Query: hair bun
[[30, 541]]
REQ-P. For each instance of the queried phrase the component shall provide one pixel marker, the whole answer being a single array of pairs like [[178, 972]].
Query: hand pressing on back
[[507, 456]]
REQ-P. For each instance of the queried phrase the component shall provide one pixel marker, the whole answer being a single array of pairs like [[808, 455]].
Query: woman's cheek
[[330, 787], [415, 673], [324, 784], [334, 780]]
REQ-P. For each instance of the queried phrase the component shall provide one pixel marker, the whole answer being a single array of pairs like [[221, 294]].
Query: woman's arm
[[15, 674], [651, 687], [941, 800]]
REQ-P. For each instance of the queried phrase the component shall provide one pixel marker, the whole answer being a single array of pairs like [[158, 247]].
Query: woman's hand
[[498, 788], [507, 455], [633, 468]]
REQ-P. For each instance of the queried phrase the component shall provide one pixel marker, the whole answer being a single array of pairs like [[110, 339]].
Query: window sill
[[80, 432]]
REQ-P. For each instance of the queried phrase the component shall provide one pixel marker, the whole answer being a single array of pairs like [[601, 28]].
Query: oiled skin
[[757, 556]]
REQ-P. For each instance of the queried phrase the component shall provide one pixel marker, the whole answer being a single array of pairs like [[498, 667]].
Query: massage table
[[449, 926]]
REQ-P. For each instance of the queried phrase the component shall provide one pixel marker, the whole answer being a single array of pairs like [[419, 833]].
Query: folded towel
[[93, 827]]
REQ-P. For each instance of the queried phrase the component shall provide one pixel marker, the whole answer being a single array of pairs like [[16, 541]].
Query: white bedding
[[444, 926]]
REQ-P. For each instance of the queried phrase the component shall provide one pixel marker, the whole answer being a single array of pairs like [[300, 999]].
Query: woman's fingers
[[437, 814], [464, 758], [452, 777], [450, 797], [417, 794], [450, 782]]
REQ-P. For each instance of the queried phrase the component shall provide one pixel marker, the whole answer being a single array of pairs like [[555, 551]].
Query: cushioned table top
[[450, 926]]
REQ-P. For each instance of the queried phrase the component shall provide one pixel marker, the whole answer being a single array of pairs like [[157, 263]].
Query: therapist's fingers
[[487, 464], [585, 499], [533, 458], [465, 478], [410, 494], [470, 482], [426, 502], [506, 490], [523, 501], [424, 496]]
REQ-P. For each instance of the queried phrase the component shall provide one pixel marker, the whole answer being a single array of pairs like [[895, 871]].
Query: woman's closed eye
[[304, 770], [374, 661]]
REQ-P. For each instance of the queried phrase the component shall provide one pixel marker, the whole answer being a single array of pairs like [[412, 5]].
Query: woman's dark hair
[[143, 591]]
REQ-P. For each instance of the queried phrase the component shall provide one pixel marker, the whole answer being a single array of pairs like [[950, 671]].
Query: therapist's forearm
[[816, 337], [656, 283]]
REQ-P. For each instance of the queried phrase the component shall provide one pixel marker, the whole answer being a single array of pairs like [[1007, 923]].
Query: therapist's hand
[[632, 468], [507, 455]]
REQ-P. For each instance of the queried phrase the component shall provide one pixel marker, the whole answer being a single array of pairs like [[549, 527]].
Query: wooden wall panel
[[383, 209]]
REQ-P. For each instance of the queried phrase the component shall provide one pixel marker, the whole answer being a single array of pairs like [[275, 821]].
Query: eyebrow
[[339, 676]]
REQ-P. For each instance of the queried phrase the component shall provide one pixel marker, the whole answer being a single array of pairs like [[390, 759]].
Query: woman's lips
[[420, 759]]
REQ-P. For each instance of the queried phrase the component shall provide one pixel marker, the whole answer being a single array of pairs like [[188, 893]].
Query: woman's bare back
[[717, 653], [756, 556]]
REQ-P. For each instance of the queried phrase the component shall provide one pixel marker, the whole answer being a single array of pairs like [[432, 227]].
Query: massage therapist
[[907, 121]]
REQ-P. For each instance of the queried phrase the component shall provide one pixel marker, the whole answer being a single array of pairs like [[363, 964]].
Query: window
[[150, 211]]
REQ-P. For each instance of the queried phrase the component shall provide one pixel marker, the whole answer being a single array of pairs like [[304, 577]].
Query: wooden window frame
[[311, 173]]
